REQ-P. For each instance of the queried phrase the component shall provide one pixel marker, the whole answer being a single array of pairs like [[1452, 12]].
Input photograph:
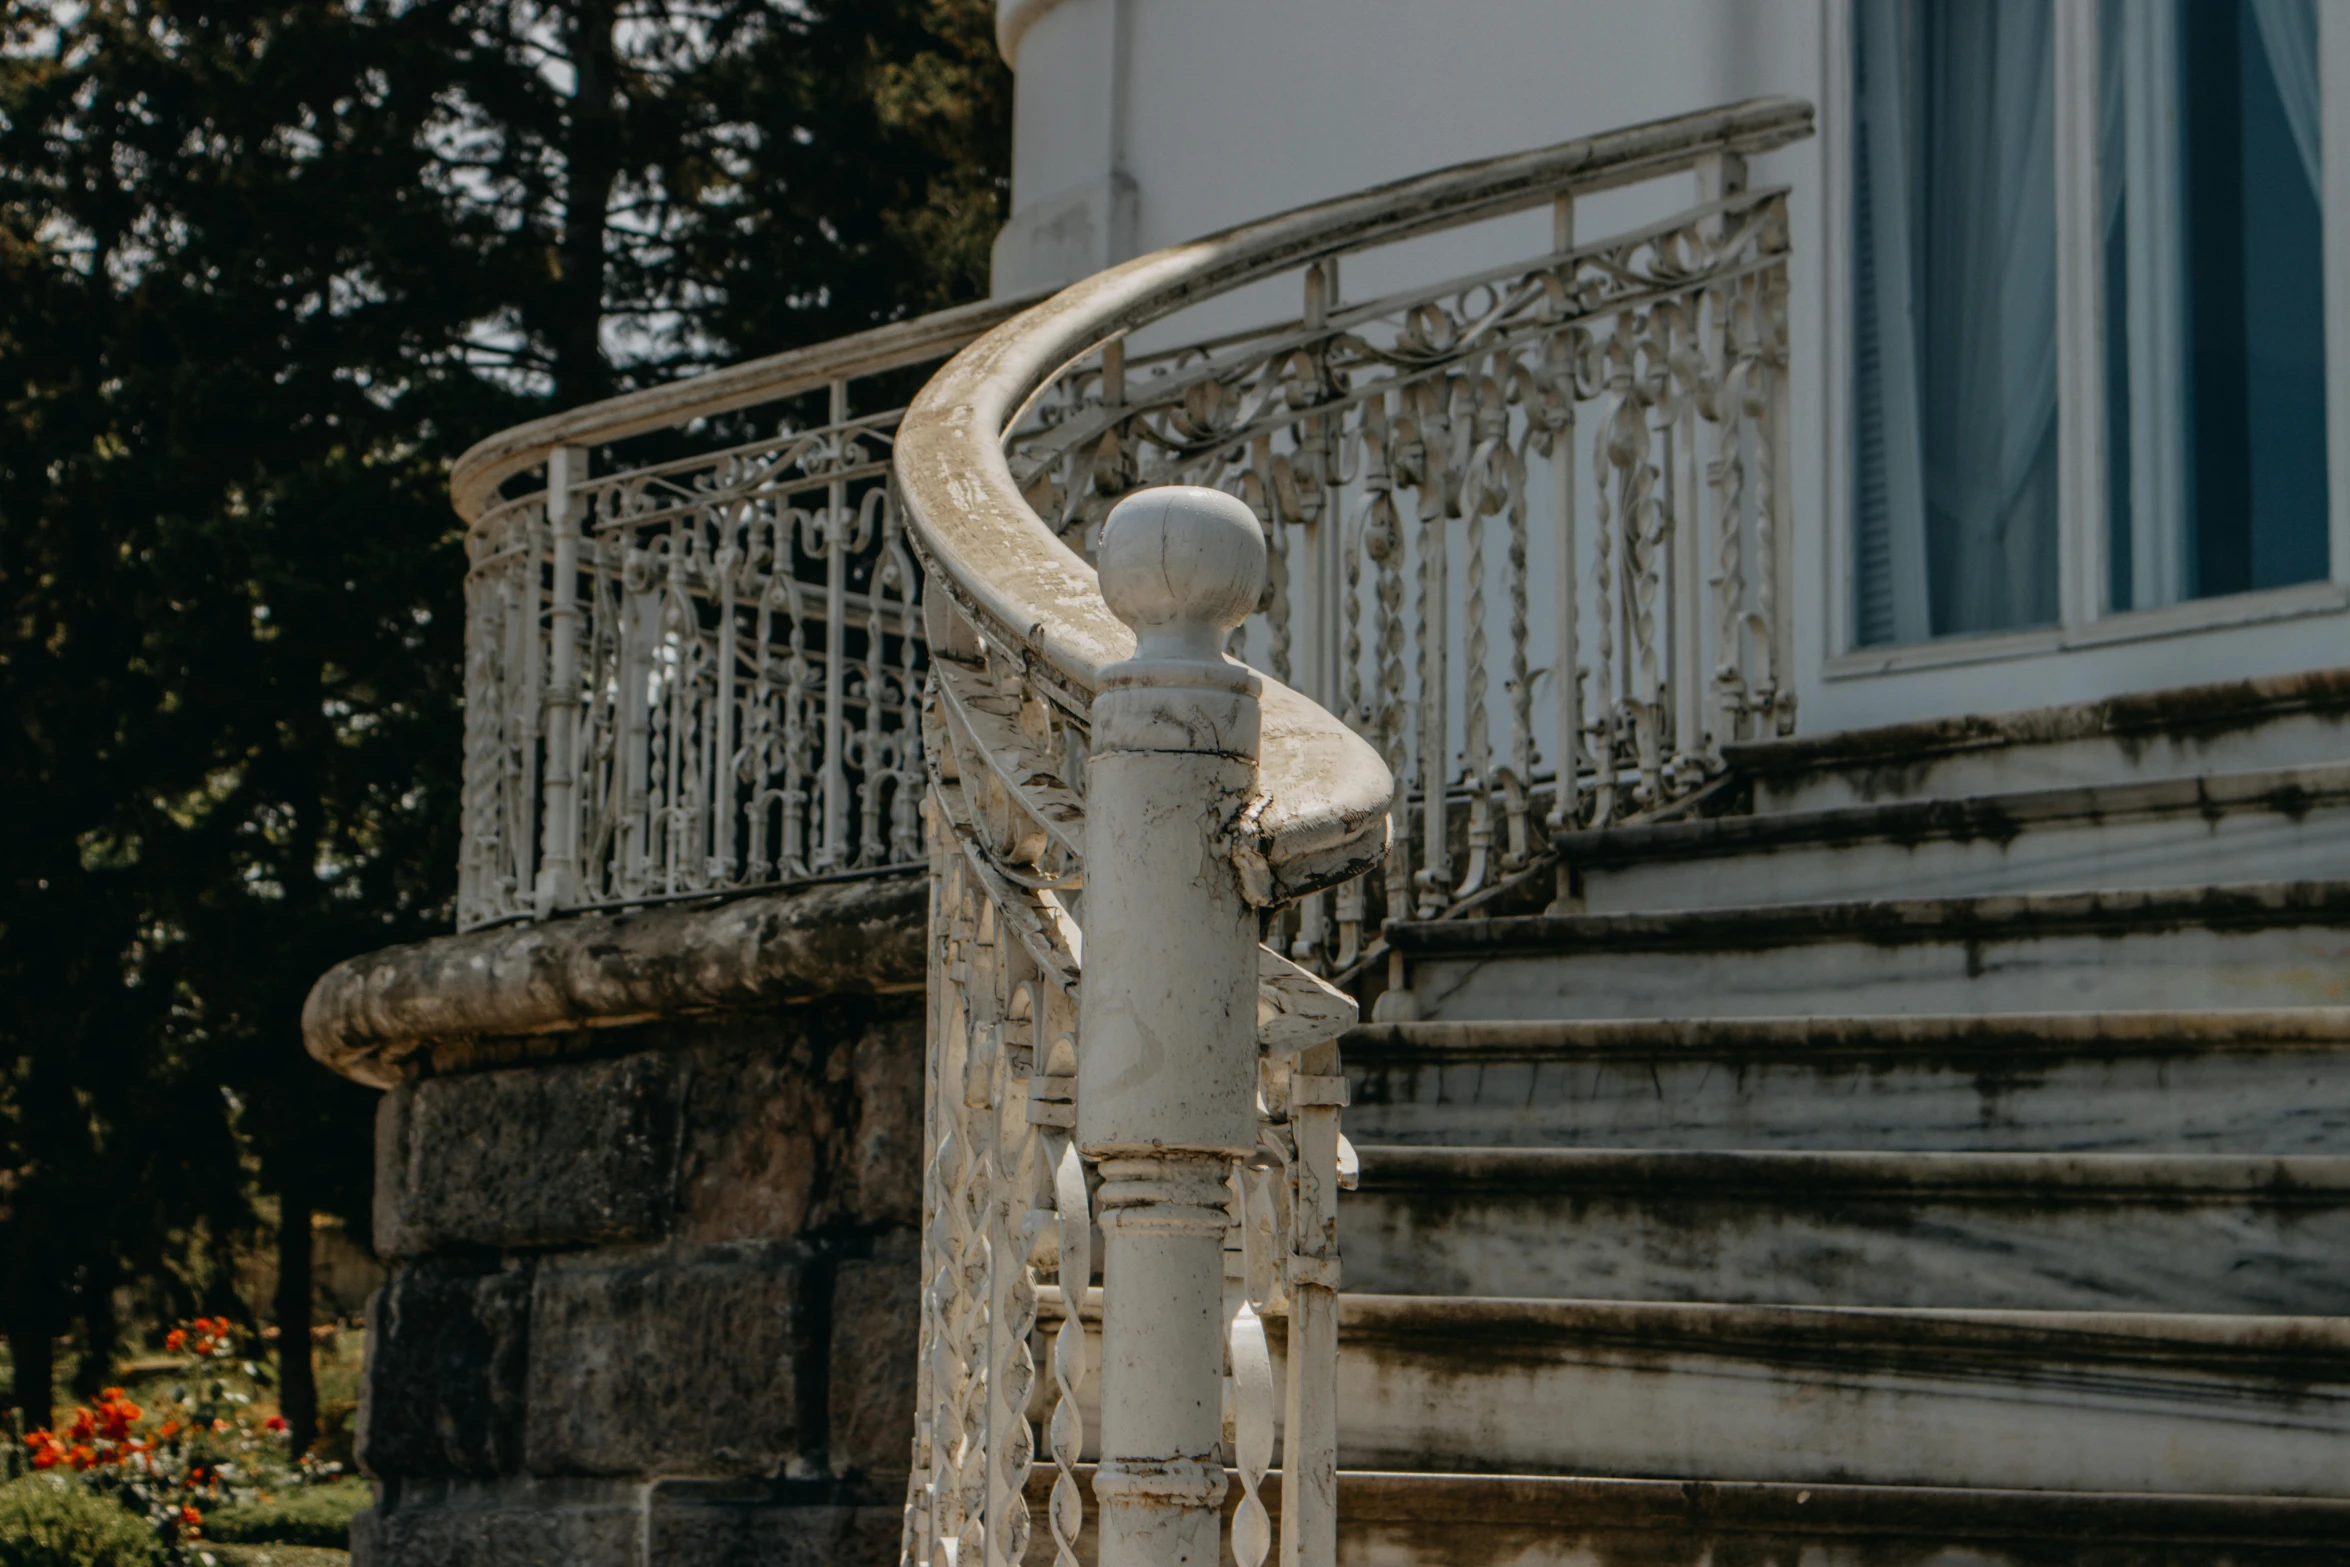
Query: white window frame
[[2086, 619]]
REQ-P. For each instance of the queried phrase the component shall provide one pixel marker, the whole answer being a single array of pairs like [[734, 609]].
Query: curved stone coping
[[1325, 789], [474, 480], [370, 1017]]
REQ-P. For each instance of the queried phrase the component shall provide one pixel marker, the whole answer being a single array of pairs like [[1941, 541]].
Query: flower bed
[[196, 1453]]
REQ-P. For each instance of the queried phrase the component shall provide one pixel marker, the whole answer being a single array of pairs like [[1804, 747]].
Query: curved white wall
[[1197, 114], [1141, 123]]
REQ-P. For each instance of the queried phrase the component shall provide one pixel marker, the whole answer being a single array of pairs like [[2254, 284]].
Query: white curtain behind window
[[1955, 264], [1991, 323], [2142, 165], [2141, 83], [2288, 35], [1890, 501]]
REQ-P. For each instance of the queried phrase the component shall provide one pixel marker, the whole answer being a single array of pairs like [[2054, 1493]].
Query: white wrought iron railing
[[696, 670], [1503, 554], [1119, 811], [1524, 524]]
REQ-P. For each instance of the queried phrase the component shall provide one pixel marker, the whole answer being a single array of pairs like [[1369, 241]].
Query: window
[[2202, 342], [2214, 298]]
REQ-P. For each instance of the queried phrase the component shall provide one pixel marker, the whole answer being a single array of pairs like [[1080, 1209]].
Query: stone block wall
[[653, 1280]]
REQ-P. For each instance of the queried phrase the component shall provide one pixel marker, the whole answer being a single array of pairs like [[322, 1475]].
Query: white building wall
[[1141, 123]]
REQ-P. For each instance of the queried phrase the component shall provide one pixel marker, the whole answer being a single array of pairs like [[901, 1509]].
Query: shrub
[[47, 1522], [198, 1452], [312, 1515]]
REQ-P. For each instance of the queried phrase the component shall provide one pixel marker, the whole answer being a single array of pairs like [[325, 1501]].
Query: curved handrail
[[487, 464], [1324, 788]]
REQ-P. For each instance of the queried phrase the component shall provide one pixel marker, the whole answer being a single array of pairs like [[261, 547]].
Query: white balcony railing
[[1118, 809], [693, 674]]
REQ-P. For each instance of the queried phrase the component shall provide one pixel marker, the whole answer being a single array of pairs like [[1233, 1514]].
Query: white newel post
[[1167, 1075]]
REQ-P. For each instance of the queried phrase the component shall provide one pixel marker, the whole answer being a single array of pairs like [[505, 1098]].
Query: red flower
[[191, 1520], [175, 1340], [115, 1415], [275, 1422]]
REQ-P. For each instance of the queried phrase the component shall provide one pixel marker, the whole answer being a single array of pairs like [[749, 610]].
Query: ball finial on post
[[1168, 1075], [1182, 565]]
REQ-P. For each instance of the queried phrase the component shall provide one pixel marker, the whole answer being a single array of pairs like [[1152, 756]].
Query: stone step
[[2068, 1232], [2250, 945], [2234, 726], [2259, 1081], [2031, 1400], [2028, 1400], [1391, 1519], [2280, 823]]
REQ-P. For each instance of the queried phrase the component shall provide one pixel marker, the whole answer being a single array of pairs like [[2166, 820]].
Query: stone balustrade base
[[654, 1261]]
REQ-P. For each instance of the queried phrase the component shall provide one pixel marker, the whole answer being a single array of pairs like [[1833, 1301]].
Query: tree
[[269, 265]]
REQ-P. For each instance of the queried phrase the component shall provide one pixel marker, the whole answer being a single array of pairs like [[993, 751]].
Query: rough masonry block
[[568, 1153], [876, 1328], [669, 1361], [811, 1120], [448, 1341], [715, 1532], [883, 1154], [510, 1523], [756, 1123]]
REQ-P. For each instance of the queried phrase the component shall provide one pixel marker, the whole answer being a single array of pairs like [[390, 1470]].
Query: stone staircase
[[1945, 1159]]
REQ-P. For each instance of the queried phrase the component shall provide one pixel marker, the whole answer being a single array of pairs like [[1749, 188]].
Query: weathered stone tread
[[1404, 1519], [1935, 1035], [1770, 1176], [2286, 791], [2001, 917], [2203, 710]]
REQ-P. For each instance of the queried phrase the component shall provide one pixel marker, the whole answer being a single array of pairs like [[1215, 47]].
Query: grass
[[312, 1515], [278, 1556], [46, 1523]]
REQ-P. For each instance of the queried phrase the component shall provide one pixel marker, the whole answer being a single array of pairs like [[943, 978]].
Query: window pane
[[1954, 305], [2215, 308]]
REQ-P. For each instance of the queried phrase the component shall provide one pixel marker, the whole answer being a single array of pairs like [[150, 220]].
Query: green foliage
[[182, 1453], [313, 1515], [266, 266], [53, 1523]]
